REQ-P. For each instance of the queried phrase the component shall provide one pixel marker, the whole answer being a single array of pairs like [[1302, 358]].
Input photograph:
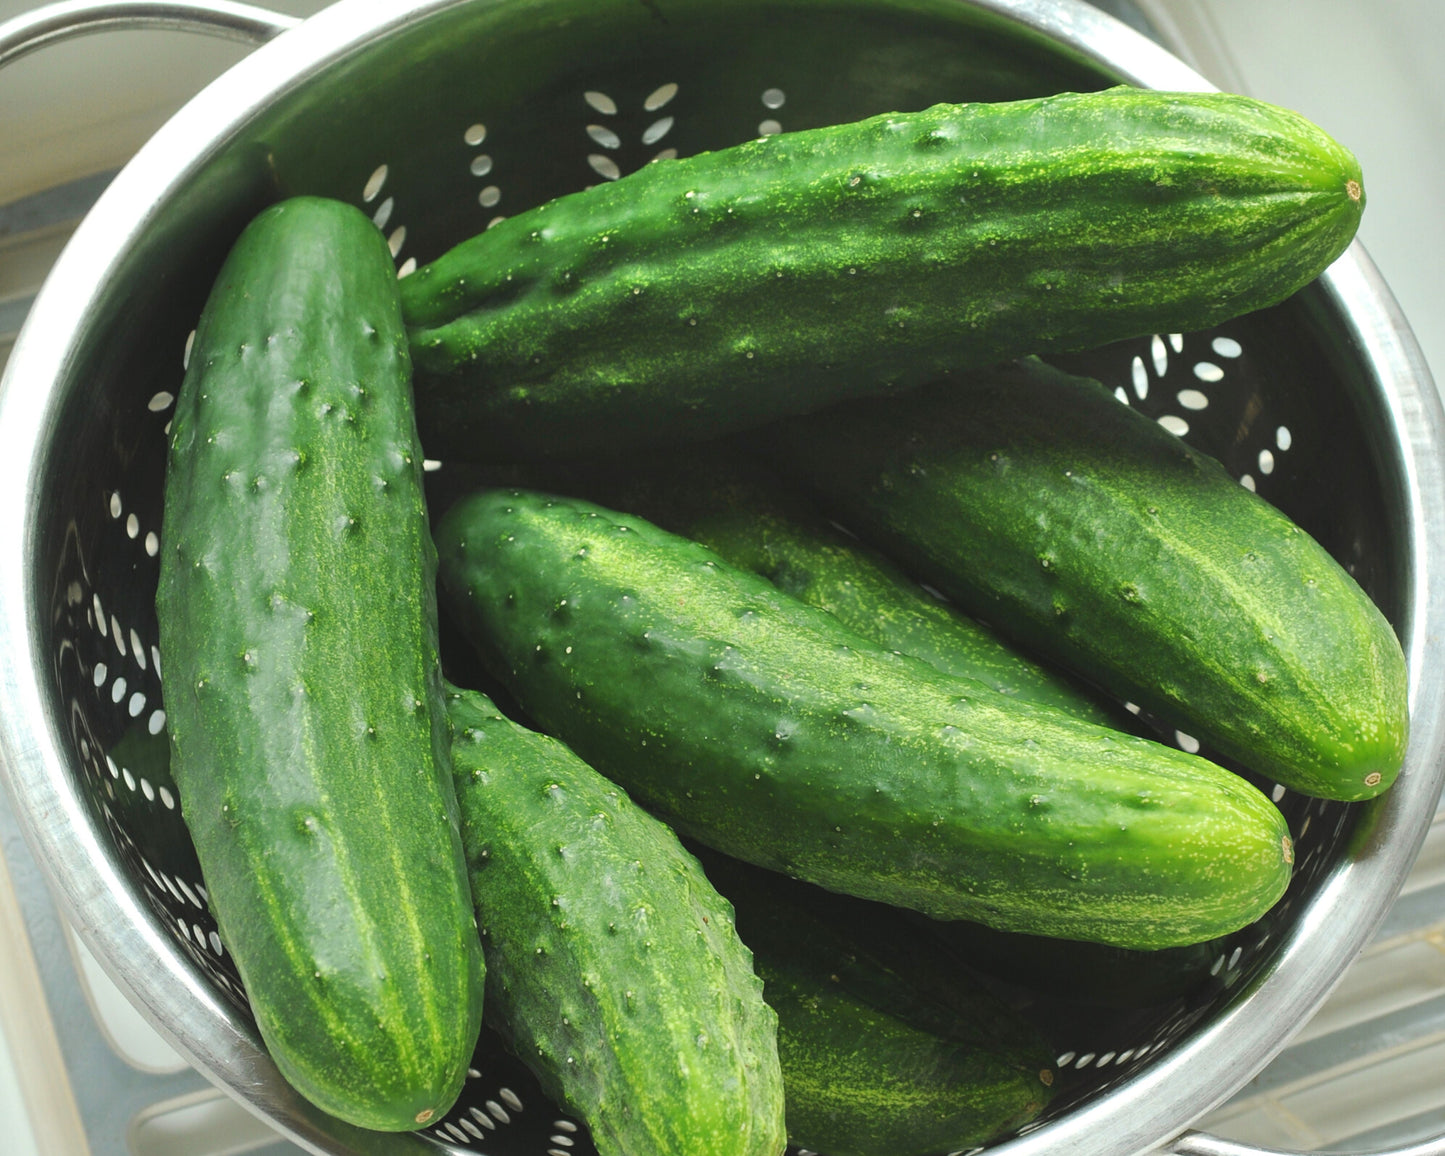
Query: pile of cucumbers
[[744, 449]]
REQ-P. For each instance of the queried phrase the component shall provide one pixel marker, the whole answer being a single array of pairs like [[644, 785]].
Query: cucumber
[[1089, 533], [298, 631], [614, 971], [724, 289], [757, 522], [765, 729], [887, 1048]]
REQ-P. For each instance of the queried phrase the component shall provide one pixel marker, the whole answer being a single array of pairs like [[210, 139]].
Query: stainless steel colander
[[439, 117]]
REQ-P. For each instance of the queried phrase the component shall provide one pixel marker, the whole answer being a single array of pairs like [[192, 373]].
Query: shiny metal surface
[[319, 109], [35, 30], [1198, 1144]]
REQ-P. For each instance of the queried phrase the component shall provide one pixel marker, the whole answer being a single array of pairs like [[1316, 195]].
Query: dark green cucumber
[[887, 1048], [724, 289], [766, 729], [614, 970], [298, 628], [757, 522], [1094, 536], [1090, 974]]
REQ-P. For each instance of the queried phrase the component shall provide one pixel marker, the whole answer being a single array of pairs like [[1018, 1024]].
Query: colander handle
[[1203, 1144], [65, 19]]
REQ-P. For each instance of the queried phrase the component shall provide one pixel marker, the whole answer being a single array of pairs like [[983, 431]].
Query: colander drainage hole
[[604, 136], [774, 99], [497, 1112], [482, 1118], [374, 183]]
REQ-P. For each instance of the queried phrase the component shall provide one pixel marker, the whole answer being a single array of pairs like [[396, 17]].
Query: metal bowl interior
[[440, 117]]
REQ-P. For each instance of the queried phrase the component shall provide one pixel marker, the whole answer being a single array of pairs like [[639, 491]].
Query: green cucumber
[[757, 522], [766, 729], [1092, 535], [722, 290], [887, 1048], [298, 632], [614, 971]]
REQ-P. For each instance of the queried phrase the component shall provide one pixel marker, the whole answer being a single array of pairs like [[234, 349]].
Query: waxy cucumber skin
[[614, 970], [1087, 532], [298, 632], [725, 289], [756, 520], [765, 729], [887, 1045]]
